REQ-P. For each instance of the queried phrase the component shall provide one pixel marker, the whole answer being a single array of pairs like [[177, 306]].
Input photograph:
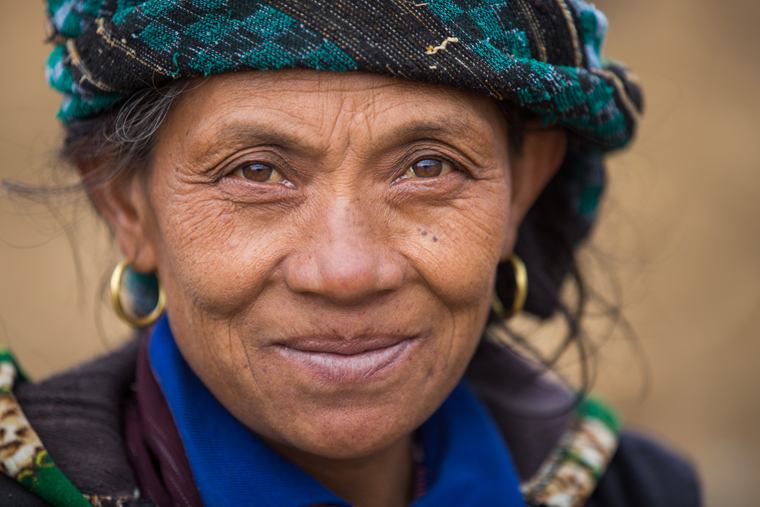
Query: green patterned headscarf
[[544, 55]]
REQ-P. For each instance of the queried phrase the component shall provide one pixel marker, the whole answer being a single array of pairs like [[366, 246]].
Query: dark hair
[[123, 136], [120, 140]]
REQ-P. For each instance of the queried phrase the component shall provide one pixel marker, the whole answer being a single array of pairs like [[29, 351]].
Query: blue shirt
[[466, 458]]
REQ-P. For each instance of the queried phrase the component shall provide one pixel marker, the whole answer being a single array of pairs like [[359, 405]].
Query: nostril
[[344, 274], [348, 276]]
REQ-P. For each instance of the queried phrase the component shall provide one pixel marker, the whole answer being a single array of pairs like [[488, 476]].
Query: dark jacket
[[78, 416]]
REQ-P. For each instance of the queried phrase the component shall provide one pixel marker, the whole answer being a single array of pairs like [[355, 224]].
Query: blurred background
[[677, 246]]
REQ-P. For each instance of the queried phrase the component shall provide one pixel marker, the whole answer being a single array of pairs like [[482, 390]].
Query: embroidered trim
[[22, 455], [570, 474], [109, 501]]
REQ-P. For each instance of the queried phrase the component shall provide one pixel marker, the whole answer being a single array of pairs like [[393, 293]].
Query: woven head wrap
[[540, 55]]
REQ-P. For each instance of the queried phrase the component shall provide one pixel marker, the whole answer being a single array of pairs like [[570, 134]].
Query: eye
[[260, 173], [427, 168]]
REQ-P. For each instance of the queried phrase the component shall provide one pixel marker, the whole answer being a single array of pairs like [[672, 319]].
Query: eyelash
[[237, 169], [453, 167]]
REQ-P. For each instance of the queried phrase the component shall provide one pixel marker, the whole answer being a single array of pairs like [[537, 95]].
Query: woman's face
[[328, 245]]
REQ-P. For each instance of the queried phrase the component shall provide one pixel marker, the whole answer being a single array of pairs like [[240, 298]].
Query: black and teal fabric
[[544, 55]]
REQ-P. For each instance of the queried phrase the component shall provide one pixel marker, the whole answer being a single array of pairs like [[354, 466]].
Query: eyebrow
[[237, 134], [258, 134], [451, 128], [261, 134]]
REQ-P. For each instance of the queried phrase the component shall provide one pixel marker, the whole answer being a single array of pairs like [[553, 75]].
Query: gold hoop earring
[[116, 283], [521, 290]]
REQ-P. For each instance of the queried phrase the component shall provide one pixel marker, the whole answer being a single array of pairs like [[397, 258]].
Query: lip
[[349, 360]]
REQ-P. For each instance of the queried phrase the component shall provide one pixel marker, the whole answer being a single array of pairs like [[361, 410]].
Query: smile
[[349, 361]]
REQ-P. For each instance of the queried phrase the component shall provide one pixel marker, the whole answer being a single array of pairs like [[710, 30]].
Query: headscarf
[[544, 55]]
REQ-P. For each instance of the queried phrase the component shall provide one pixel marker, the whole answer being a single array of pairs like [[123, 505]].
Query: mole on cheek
[[225, 218], [424, 232]]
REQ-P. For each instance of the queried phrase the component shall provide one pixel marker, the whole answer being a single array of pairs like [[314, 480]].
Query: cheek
[[456, 248], [213, 260]]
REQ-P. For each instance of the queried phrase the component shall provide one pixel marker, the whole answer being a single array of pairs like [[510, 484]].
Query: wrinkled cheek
[[461, 264], [207, 259], [220, 287], [459, 268]]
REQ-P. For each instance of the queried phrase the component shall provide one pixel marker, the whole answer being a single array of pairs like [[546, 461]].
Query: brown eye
[[428, 168], [260, 173]]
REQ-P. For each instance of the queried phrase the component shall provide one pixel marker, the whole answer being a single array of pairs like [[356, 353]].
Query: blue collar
[[467, 461]]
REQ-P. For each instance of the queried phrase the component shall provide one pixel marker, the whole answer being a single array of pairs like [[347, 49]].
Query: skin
[[342, 241]]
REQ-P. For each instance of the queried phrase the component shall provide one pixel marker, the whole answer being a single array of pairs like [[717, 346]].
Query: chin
[[350, 435], [361, 422]]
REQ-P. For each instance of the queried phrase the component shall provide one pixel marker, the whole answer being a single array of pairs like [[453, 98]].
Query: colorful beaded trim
[[570, 475]]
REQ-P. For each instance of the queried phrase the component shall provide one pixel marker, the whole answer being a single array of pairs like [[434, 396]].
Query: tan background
[[680, 232]]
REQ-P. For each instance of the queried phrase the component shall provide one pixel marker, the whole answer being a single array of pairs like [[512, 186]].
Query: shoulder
[[536, 419], [77, 417], [645, 474]]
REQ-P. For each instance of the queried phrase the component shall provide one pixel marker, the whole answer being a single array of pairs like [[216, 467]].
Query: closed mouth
[[353, 360]]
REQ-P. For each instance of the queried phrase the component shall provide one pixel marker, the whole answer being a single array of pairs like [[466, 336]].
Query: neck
[[384, 479]]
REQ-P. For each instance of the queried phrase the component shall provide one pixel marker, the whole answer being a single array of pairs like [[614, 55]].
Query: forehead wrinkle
[[346, 119], [442, 116], [368, 115], [342, 115]]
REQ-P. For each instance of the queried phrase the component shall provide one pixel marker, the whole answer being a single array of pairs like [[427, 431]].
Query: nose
[[348, 260]]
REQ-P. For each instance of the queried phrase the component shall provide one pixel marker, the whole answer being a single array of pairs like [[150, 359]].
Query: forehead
[[306, 103]]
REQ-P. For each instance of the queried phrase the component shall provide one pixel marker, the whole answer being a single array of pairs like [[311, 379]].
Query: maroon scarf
[[154, 446]]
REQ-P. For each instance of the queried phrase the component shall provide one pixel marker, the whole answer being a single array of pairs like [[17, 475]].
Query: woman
[[334, 243]]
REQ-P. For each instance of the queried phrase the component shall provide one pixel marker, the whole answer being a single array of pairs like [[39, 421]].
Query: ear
[[124, 205], [542, 154]]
